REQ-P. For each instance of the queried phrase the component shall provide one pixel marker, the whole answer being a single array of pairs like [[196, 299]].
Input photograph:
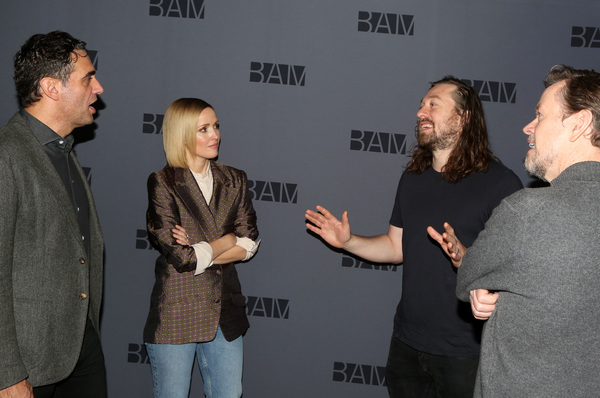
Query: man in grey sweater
[[533, 271]]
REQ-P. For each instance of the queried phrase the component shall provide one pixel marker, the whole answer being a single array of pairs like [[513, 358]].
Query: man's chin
[[535, 169], [425, 140]]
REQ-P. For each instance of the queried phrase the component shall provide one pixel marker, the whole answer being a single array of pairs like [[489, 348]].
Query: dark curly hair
[[471, 152], [44, 55]]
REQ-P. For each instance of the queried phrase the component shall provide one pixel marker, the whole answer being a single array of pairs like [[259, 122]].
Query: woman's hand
[[181, 236]]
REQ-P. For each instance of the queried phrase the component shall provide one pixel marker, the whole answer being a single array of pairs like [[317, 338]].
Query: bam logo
[[88, 174], [142, 241], [137, 353], [494, 91], [585, 37], [359, 374], [379, 22], [371, 141], [267, 307], [152, 123], [177, 8], [351, 262], [273, 191], [292, 75], [93, 54]]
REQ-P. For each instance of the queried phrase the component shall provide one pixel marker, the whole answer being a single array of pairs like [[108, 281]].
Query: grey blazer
[[47, 282]]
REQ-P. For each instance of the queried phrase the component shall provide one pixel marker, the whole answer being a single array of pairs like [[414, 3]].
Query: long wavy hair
[[471, 152]]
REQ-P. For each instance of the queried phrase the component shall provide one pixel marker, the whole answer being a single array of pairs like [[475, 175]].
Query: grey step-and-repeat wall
[[317, 102]]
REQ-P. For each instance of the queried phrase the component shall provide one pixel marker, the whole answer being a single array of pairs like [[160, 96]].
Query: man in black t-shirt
[[452, 179]]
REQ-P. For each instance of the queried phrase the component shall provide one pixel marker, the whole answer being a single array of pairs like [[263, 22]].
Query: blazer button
[[218, 272], [82, 296], [82, 260], [217, 300]]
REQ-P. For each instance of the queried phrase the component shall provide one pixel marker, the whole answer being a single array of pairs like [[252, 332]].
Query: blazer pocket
[[32, 323]]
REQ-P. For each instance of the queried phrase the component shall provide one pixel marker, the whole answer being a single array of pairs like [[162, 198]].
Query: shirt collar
[[203, 178], [45, 135]]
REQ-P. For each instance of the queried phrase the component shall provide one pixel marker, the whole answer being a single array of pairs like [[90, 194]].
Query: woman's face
[[207, 134]]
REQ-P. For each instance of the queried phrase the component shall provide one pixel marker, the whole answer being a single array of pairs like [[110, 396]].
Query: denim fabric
[[220, 363]]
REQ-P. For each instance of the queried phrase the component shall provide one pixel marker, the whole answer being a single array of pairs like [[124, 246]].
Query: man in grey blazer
[[51, 243]]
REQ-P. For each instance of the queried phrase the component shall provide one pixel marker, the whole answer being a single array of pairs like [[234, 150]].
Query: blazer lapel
[[224, 193], [206, 215], [187, 188], [49, 176]]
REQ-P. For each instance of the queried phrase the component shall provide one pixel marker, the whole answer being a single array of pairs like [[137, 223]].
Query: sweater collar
[[582, 171]]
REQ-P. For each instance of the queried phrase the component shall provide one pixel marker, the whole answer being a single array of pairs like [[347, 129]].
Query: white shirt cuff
[[204, 257], [249, 245]]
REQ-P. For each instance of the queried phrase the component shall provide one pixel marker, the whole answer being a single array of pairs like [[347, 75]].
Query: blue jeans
[[220, 363]]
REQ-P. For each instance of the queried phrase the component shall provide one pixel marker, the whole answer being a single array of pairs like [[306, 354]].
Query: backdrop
[[317, 102]]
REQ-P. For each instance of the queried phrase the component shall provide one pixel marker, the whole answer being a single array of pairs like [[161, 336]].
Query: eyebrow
[[430, 97], [89, 74]]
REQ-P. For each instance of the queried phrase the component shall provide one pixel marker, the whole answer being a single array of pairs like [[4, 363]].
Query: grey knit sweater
[[541, 251]]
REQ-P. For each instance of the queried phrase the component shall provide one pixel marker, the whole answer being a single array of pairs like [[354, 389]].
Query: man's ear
[[49, 87], [582, 125]]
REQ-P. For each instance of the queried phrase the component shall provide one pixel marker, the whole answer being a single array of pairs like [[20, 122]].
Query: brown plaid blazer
[[185, 308]]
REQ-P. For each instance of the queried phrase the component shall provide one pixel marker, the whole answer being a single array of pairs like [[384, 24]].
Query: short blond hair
[[179, 129]]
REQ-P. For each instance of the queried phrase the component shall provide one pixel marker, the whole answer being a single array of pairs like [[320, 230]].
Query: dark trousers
[[89, 376], [414, 374]]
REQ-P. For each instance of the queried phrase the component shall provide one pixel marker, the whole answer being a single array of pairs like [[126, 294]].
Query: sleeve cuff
[[204, 257], [249, 245]]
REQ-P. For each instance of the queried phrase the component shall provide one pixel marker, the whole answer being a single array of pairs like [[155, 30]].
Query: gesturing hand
[[449, 243], [332, 230]]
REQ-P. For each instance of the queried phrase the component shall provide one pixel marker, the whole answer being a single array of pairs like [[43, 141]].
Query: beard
[[438, 139], [540, 163], [537, 166]]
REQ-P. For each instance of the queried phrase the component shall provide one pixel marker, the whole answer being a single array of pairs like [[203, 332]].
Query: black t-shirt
[[429, 317]]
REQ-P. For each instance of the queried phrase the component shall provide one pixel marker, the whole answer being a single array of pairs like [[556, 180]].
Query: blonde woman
[[202, 220]]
